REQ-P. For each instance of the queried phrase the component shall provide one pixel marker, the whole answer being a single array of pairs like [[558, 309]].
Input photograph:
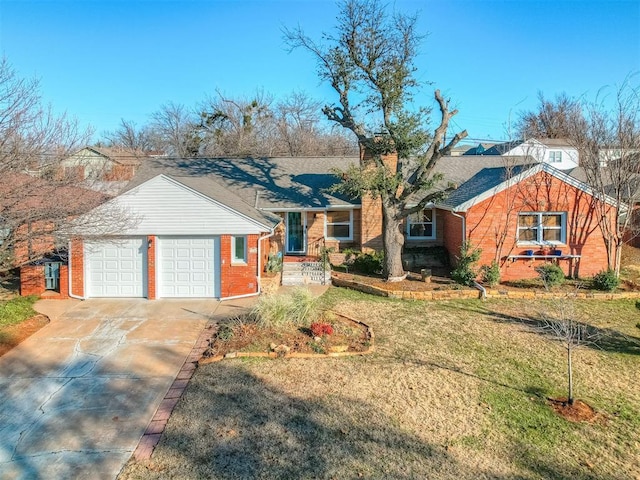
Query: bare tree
[[609, 149], [37, 201], [563, 326], [130, 137], [558, 118], [240, 126], [369, 63], [174, 129]]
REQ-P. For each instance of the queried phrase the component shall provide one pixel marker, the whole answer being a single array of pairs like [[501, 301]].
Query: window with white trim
[[542, 227], [422, 225], [555, 156], [238, 249], [339, 224]]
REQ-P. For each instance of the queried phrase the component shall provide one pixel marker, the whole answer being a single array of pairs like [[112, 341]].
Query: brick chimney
[[371, 210]]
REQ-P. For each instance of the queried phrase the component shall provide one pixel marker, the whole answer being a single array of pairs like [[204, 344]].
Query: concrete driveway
[[76, 397]]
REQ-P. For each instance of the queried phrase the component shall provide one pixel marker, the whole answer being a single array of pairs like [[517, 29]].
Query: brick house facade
[[206, 228]]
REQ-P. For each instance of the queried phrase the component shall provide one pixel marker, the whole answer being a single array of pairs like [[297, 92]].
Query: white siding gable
[[542, 153], [162, 206]]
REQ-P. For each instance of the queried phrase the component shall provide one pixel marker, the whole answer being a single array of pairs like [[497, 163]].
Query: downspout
[[483, 291], [258, 276], [273, 232], [70, 275], [464, 225]]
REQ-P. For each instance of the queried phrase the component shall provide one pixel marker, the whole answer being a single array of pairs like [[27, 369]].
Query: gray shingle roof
[[247, 183], [253, 185], [485, 179]]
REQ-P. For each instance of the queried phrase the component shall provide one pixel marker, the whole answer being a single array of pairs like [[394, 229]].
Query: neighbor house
[[102, 168], [557, 152], [205, 227]]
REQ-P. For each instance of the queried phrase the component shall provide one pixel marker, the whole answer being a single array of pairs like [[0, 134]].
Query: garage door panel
[[188, 267], [116, 269]]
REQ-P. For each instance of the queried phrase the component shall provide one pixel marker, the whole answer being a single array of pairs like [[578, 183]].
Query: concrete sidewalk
[[78, 394]]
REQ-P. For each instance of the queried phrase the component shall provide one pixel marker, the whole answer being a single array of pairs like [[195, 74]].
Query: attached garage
[[188, 266], [116, 268], [185, 238]]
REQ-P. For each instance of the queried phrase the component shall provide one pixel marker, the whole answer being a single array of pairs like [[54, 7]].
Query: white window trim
[[350, 223], [433, 229], [555, 156], [540, 229], [234, 260]]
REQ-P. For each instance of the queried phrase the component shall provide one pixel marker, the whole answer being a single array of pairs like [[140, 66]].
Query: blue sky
[[105, 60]]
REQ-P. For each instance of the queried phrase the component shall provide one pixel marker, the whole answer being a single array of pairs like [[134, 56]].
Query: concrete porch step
[[305, 273]]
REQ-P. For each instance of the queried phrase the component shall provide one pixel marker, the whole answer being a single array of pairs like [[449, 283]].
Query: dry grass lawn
[[454, 390]]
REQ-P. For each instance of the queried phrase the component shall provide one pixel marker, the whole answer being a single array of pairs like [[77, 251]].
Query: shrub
[[324, 254], [491, 274], [606, 280], [369, 263], [465, 272], [274, 263], [550, 274], [299, 307], [319, 329]]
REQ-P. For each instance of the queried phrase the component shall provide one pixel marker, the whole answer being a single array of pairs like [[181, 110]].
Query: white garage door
[[116, 268], [187, 267]]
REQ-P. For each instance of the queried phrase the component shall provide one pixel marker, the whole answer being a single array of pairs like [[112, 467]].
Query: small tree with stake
[[571, 333]]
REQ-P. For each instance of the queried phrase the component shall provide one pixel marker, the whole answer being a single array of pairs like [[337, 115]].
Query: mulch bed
[[12, 335], [577, 412], [413, 282], [241, 335]]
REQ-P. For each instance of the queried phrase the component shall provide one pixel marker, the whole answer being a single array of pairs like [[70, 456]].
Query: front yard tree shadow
[[230, 424]]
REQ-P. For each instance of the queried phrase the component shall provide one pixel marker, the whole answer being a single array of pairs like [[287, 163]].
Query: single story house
[[204, 227]]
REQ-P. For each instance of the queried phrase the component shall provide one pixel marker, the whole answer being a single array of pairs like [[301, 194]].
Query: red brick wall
[[32, 281], [152, 243], [488, 221], [238, 279], [371, 212], [77, 267], [452, 232]]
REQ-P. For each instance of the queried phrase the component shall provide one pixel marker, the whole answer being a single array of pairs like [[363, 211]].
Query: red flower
[[319, 329]]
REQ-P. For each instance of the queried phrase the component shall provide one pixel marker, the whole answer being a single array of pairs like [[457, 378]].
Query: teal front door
[[295, 232]]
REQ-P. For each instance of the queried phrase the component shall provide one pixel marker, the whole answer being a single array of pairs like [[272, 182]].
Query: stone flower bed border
[[491, 293], [370, 349]]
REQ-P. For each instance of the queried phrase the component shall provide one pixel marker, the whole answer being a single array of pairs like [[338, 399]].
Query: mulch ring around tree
[[332, 336], [12, 335], [577, 412]]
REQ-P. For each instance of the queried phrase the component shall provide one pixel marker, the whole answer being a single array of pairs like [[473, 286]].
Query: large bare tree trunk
[[393, 242]]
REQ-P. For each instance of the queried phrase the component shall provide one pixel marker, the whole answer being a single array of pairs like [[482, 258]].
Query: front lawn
[[455, 389], [16, 310], [18, 320]]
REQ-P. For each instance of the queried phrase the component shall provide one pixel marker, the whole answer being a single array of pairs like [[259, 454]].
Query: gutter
[[70, 275]]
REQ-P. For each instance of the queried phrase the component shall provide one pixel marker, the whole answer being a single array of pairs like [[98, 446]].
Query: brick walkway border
[[154, 430]]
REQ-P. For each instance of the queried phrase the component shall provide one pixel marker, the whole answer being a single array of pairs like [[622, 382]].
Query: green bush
[[465, 272], [369, 263], [550, 274], [491, 274], [274, 262], [299, 307], [606, 280]]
